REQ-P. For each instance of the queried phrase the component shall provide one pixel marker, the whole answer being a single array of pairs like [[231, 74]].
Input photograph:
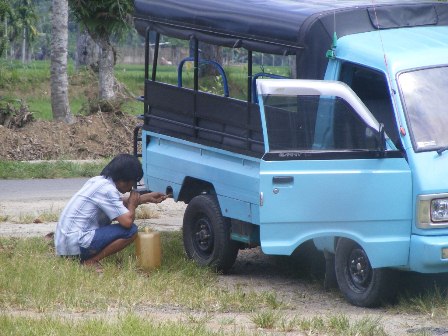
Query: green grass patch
[[432, 302], [32, 278], [126, 325], [41, 106], [50, 169], [31, 83], [341, 325]]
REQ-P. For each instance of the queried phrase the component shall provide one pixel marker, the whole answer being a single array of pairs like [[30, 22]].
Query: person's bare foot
[[49, 236]]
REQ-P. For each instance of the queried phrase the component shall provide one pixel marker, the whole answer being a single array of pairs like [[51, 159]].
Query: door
[[330, 172]]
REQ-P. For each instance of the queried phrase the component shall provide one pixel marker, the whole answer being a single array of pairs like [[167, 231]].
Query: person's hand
[[134, 199], [153, 197]]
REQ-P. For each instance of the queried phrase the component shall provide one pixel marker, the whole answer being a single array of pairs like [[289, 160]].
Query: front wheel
[[361, 284], [206, 234]]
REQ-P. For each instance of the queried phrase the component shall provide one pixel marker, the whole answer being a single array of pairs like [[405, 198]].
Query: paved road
[[38, 189]]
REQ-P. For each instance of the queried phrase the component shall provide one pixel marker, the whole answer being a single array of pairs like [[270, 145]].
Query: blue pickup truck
[[321, 122]]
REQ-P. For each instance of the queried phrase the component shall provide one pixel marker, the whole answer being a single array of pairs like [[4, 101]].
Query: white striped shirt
[[95, 205]]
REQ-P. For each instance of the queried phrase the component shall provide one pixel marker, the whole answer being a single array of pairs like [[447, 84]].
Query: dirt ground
[[304, 296], [91, 137]]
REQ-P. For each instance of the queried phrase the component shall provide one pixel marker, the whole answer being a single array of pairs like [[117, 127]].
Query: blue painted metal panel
[[235, 177], [426, 254], [235, 208], [385, 242], [429, 177], [417, 47], [369, 201]]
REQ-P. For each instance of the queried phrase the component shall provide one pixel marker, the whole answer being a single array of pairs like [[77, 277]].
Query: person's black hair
[[123, 167]]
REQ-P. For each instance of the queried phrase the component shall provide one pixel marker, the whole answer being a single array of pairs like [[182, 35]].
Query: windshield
[[426, 105]]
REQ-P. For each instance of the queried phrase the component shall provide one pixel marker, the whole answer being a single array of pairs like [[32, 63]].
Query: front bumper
[[429, 254]]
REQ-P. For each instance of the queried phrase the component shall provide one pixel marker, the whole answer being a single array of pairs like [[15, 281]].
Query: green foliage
[[24, 17], [5, 11], [49, 169], [14, 113], [103, 18]]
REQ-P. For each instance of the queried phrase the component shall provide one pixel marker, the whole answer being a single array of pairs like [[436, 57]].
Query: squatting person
[[85, 228]]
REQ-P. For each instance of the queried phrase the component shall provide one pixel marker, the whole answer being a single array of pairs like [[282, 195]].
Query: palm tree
[[26, 18], [104, 19], [59, 79], [5, 11]]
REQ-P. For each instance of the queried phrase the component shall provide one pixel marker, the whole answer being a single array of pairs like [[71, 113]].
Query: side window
[[290, 121], [371, 86], [291, 124]]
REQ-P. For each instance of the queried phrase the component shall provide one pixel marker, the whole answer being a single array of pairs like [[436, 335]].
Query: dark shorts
[[104, 236]]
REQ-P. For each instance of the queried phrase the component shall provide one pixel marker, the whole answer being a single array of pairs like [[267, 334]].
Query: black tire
[[361, 284], [206, 234]]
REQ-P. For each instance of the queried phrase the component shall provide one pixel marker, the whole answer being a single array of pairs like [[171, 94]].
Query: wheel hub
[[203, 239], [203, 235], [359, 269]]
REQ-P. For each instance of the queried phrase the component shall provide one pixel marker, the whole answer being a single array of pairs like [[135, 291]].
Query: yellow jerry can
[[148, 249]]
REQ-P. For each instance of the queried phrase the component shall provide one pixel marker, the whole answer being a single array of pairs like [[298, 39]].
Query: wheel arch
[[382, 251], [192, 187]]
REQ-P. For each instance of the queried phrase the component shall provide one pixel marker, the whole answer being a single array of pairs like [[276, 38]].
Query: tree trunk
[[5, 40], [106, 75], [24, 46], [207, 52], [87, 51], [59, 79]]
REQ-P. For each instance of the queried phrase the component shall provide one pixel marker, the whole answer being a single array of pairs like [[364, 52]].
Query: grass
[[142, 212], [41, 107], [126, 325], [41, 217], [131, 324], [432, 302], [49, 169], [33, 279], [45, 288], [336, 325], [31, 83], [265, 319], [341, 325]]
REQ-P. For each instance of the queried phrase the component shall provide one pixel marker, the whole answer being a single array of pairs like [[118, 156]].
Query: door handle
[[283, 179]]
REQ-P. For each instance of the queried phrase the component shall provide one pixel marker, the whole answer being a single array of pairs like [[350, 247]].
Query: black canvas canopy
[[300, 27]]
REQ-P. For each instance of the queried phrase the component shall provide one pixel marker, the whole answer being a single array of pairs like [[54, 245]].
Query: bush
[[14, 113]]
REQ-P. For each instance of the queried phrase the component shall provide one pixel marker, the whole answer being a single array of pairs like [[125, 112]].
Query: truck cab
[[338, 141]]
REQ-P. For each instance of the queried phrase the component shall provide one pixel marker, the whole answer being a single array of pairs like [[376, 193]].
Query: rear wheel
[[361, 284], [206, 234]]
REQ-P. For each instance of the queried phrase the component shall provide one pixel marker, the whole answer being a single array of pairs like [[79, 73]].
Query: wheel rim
[[203, 237], [359, 271]]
